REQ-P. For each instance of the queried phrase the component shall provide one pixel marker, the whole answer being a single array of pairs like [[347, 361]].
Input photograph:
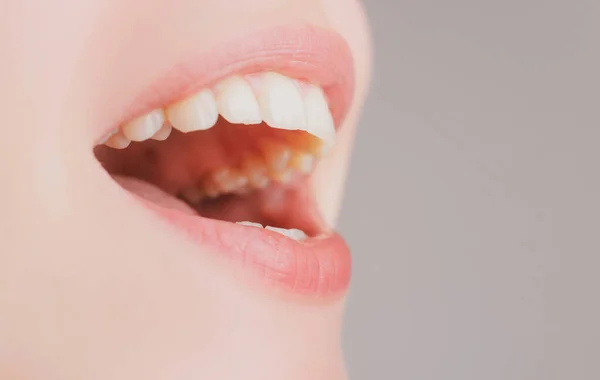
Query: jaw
[[123, 296]]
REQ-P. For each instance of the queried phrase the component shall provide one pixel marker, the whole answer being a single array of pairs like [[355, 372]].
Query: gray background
[[472, 206]]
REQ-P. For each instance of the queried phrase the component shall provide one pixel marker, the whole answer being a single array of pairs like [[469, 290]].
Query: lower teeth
[[292, 233]]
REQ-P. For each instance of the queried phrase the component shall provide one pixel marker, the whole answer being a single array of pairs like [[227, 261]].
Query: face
[[136, 135]]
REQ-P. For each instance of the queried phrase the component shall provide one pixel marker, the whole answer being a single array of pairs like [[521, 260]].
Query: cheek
[[347, 17]]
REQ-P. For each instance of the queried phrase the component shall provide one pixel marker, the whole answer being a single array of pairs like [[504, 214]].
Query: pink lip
[[316, 267], [306, 52]]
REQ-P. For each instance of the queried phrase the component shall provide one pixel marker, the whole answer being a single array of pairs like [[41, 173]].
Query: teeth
[[163, 133], [307, 143], [250, 224], [229, 181], [255, 170], [303, 162], [277, 155], [284, 176], [237, 103], [292, 233], [281, 102], [109, 135], [145, 126], [118, 141], [319, 119], [196, 113]]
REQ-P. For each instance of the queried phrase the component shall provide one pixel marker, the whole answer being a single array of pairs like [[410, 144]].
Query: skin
[[90, 287]]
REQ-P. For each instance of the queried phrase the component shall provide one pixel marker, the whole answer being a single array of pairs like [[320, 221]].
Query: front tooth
[[319, 120], [280, 102], [196, 113], [145, 126], [292, 233], [163, 133], [236, 101], [250, 224]]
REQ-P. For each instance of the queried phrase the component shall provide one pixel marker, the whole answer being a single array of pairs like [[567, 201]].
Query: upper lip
[[304, 51], [319, 266]]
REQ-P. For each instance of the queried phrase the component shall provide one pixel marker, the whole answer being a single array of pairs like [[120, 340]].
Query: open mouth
[[239, 152], [235, 158]]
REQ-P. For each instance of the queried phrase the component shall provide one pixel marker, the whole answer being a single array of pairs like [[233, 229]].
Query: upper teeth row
[[279, 101]]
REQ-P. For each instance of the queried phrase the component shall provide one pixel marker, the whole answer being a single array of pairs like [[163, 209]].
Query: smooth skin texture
[[90, 287]]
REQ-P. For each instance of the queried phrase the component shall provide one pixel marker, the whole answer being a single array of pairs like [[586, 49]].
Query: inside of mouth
[[230, 172]]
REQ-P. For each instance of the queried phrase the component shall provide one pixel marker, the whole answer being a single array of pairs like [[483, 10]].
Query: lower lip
[[315, 267]]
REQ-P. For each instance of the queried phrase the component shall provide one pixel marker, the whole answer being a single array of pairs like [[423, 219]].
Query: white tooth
[[292, 233], [277, 155], [303, 162], [284, 177], [118, 141], [319, 120], [196, 113], [108, 136], [250, 224], [256, 172], [145, 126], [280, 102], [163, 133], [236, 101]]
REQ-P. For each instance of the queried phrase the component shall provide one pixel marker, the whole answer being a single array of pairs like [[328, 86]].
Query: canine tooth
[[145, 126], [292, 233], [118, 141], [163, 133], [250, 224], [280, 102], [236, 101], [196, 113], [319, 120]]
